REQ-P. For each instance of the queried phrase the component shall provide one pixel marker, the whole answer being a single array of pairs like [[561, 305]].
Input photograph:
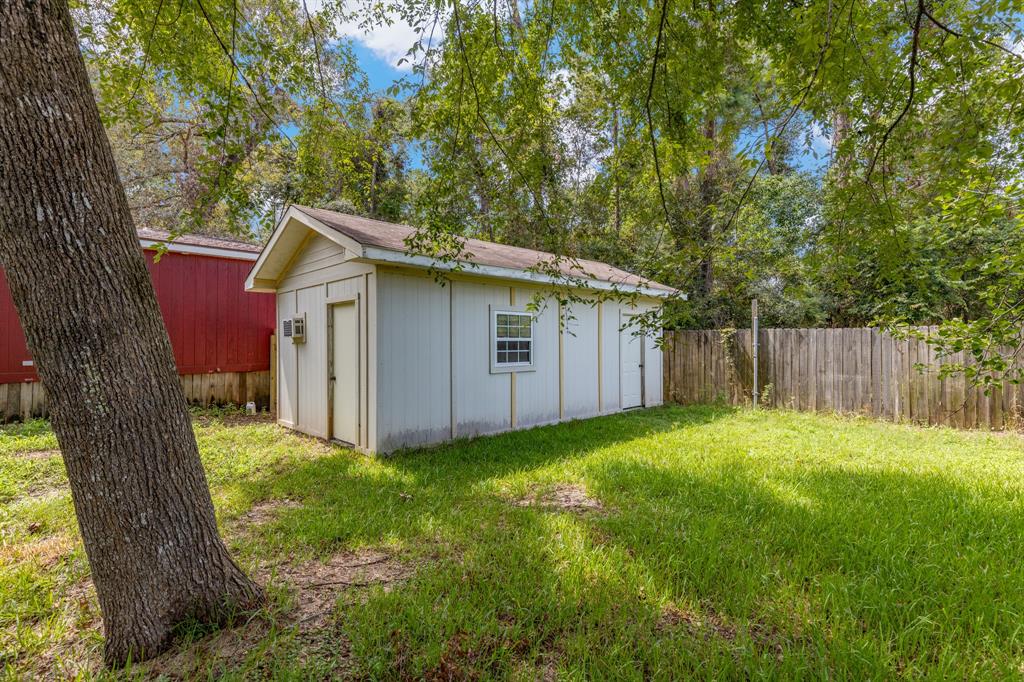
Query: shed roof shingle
[[392, 236]]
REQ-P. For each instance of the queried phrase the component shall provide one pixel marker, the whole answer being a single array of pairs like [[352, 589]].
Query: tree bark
[[618, 183], [86, 302], [710, 194]]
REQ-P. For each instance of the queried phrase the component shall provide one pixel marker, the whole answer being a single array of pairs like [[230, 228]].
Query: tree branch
[[241, 74], [483, 119], [958, 34], [915, 46], [650, 118]]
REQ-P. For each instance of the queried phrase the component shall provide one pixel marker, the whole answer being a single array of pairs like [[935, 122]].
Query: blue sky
[[379, 70]]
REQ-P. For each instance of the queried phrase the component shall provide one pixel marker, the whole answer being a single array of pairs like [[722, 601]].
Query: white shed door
[[345, 376], [632, 372]]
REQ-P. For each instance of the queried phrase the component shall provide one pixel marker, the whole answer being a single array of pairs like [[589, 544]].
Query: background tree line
[[845, 163]]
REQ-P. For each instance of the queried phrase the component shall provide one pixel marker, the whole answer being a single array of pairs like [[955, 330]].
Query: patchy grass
[[658, 544]]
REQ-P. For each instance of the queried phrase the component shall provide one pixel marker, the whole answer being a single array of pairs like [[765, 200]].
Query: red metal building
[[215, 326]]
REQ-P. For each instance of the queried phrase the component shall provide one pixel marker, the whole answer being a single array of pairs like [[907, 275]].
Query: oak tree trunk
[[86, 302]]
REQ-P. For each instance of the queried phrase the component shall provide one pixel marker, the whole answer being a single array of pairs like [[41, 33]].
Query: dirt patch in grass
[[567, 497], [37, 495], [227, 647], [318, 584], [47, 550], [264, 512], [546, 670], [36, 454], [706, 624], [77, 652], [315, 587]]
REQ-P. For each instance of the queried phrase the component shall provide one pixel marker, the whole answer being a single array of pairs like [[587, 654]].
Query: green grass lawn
[[712, 543]]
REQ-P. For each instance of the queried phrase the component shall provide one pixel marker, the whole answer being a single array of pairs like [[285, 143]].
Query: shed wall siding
[[319, 253], [483, 401], [372, 360], [537, 400], [312, 361], [610, 397], [214, 325], [653, 367], [319, 276], [414, 373], [425, 354], [286, 363], [580, 369]]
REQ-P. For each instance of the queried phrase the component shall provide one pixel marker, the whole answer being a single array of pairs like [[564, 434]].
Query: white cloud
[[390, 40], [390, 43]]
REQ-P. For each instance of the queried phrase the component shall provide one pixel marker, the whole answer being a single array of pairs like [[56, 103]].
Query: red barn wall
[[13, 351], [214, 324]]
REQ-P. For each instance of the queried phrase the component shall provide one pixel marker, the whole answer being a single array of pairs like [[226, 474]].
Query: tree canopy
[[845, 162]]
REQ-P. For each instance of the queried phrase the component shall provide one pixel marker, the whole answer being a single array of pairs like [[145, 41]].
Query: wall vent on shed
[[298, 328], [286, 328]]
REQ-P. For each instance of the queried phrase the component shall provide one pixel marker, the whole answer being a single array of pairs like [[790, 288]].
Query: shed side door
[[345, 377], [631, 371]]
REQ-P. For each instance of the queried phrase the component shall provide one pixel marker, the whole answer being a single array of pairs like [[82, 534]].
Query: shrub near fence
[[862, 371]]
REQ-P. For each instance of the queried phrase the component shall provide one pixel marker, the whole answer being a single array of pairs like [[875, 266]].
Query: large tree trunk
[[86, 302]]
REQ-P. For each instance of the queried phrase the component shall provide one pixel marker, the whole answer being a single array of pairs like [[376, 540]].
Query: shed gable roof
[[382, 241]]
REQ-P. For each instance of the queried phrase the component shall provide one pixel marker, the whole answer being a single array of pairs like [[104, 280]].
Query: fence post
[[754, 346]]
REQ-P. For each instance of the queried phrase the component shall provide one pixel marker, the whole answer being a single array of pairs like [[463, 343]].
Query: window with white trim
[[513, 339]]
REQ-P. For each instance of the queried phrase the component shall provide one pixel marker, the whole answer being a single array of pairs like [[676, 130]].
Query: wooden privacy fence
[[863, 371], [27, 399]]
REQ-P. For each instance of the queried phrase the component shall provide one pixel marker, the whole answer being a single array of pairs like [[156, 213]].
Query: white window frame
[[504, 367]]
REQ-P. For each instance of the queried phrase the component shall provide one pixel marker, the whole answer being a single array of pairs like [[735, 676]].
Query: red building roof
[[146, 235]]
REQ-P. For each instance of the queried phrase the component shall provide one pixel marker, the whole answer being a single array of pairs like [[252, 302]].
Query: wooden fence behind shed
[[27, 399], [863, 371]]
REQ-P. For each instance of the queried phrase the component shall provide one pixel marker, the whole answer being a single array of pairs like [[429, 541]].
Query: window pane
[[513, 333]]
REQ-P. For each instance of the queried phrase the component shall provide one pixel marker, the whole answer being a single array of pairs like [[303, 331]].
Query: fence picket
[[842, 370]]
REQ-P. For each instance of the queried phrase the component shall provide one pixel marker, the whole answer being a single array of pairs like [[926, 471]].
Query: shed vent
[[299, 328], [286, 328]]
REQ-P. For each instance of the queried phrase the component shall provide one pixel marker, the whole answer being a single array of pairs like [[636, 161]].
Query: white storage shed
[[376, 352]]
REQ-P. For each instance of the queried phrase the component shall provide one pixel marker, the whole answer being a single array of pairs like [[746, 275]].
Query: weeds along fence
[[858, 371]]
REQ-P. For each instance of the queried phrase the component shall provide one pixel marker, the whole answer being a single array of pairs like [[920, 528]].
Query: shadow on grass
[[879, 570], [811, 571], [352, 500]]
